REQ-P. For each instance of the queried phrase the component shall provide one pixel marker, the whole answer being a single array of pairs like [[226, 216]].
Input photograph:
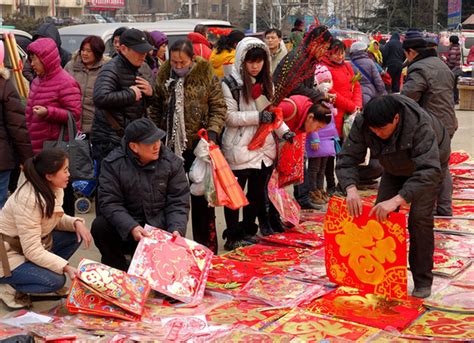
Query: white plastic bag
[[200, 169]]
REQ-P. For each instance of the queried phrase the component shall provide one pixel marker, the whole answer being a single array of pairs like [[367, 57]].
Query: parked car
[[72, 36], [125, 18], [110, 20], [72, 21], [54, 20], [93, 19]]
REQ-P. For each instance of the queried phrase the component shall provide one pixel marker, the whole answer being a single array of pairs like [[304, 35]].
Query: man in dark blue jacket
[[142, 182]]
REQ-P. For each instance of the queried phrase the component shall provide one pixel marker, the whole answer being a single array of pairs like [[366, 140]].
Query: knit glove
[[267, 117], [288, 136]]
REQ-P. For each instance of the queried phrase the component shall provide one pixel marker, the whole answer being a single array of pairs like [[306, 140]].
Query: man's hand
[[144, 86], [138, 233], [40, 111], [384, 208], [137, 91], [314, 146], [83, 233], [176, 234], [354, 203]]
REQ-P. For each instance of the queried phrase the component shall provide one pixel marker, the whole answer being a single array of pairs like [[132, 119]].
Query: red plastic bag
[[386, 78], [290, 165], [264, 130], [286, 206], [228, 191]]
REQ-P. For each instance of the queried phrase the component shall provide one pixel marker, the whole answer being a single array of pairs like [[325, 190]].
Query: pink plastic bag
[[288, 208]]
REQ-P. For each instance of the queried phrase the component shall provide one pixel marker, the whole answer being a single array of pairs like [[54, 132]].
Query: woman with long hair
[[224, 52], [245, 112], [36, 237]]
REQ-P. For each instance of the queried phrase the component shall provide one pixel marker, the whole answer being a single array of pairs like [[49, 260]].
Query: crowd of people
[[143, 106]]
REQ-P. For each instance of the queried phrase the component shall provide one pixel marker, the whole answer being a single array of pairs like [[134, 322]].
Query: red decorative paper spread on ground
[[365, 254]]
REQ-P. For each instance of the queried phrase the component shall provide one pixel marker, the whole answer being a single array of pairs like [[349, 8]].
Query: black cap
[[144, 131], [135, 40], [413, 40]]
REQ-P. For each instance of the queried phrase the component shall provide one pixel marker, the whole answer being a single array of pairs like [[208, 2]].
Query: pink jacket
[[56, 90]]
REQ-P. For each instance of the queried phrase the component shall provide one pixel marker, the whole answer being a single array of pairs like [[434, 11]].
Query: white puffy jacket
[[242, 123]]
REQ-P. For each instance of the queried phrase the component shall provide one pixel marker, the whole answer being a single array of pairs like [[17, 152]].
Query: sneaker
[[232, 245], [7, 295], [421, 292], [317, 197], [309, 205]]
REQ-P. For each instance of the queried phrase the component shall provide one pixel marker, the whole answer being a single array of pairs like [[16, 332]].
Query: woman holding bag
[[36, 237], [246, 110], [53, 94]]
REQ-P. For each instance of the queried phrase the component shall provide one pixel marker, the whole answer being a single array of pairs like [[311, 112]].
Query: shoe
[[326, 196], [317, 197], [331, 191], [309, 205], [421, 292], [7, 295], [57, 295], [250, 239], [232, 245]]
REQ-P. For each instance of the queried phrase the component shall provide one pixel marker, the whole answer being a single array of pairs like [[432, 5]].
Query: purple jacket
[[56, 90], [326, 140], [370, 88]]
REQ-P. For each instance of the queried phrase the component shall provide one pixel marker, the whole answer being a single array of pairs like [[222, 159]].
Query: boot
[[8, 294], [316, 197]]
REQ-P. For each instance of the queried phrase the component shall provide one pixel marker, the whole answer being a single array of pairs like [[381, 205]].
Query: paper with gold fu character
[[366, 254]]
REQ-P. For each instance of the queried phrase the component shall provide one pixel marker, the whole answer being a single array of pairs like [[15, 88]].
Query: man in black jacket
[[121, 93], [413, 147], [393, 58], [142, 182]]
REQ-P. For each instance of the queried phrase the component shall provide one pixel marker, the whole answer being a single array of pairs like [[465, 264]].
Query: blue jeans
[[31, 278], [4, 180]]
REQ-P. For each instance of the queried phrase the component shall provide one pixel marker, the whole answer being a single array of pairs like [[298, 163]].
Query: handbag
[[81, 165]]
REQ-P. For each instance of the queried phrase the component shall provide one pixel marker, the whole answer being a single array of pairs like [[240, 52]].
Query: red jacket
[[201, 45], [348, 97], [56, 90], [470, 56], [295, 117]]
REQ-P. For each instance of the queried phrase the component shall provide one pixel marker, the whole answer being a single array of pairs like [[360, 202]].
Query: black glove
[[213, 136], [266, 117], [288, 136]]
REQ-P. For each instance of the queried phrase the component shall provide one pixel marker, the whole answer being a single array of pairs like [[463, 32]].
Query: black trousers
[[420, 227], [111, 246], [203, 217], [69, 200], [395, 72], [256, 181]]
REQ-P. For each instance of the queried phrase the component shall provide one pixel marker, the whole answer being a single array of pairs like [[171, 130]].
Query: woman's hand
[[83, 233], [40, 111], [70, 271]]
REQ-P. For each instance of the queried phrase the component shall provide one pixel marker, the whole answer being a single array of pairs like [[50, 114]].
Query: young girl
[[247, 108], [320, 145], [36, 237]]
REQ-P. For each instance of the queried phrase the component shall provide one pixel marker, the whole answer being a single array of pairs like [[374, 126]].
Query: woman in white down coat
[[246, 92]]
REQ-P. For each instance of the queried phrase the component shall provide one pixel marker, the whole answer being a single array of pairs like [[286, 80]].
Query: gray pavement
[[463, 140]]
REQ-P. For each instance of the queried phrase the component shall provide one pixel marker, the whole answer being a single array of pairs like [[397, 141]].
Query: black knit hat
[[414, 40]]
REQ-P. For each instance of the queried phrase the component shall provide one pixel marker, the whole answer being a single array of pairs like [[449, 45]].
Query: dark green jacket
[[204, 104], [418, 149]]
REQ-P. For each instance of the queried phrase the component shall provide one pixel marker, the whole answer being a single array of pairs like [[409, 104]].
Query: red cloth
[[347, 99], [201, 45], [295, 119], [56, 90], [470, 57]]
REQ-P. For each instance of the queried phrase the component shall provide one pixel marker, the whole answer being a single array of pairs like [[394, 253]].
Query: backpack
[[234, 87]]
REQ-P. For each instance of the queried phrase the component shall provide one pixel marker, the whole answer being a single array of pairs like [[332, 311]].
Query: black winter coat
[[156, 194], [112, 94], [393, 53], [15, 143], [419, 149]]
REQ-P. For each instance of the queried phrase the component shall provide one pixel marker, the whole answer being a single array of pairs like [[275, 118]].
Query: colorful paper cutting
[[309, 327], [368, 309], [447, 265], [366, 254], [453, 298], [454, 226], [442, 324], [175, 266], [294, 239]]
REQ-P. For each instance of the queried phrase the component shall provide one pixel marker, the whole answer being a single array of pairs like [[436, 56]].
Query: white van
[[72, 36]]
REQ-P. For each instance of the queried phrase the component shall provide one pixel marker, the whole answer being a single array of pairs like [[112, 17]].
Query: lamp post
[[254, 28]]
